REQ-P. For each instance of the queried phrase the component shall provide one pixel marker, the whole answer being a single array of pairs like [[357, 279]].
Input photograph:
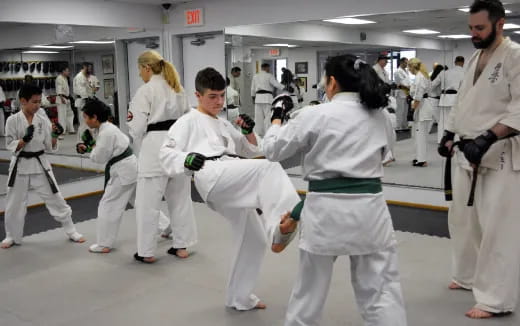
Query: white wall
[[309, 55], [135, 49], [429, 57]]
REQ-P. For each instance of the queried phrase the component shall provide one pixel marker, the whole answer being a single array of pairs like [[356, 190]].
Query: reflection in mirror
[[434, 37]]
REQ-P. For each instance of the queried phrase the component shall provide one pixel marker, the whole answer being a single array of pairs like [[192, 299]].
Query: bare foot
[[6, 245], [455, 286], [182, 253], [80, 240], [476, 313], [260, 305]]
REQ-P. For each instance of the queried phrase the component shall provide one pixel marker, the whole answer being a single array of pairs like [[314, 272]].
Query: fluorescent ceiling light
[[511, 26], [421, 31], [52, 46], [40, 52], [92, 42], [517, 32], [349, 21], [281, 45], [461, 36], [227, 42], [466, 9]]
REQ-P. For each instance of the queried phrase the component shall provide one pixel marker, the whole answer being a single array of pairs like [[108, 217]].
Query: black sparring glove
[[282, 104], [79, 149], [194, 161], [443, 149], [475, 149], [29, 133], [57, 130], [250, 124]]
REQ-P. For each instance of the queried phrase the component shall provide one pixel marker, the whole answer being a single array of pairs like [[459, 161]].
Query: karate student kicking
[[206, 146], [345, 213], [29, 134]]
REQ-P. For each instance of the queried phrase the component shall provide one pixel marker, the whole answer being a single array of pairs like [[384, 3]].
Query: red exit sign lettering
[[274, 52], [194, 17]]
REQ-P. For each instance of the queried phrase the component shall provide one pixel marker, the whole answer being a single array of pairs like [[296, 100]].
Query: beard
[[485, 43]]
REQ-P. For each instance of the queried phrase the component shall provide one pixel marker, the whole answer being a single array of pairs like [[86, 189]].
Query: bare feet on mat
[[179, 252], [76, 237], [455, 286], [260, 305], [7, 243], [476, 313], [146, 260]]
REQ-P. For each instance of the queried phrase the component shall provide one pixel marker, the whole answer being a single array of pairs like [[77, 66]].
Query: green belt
[[340, 186], [128, 152]]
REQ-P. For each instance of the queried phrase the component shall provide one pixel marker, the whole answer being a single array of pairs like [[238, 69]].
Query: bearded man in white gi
[[403, 82], [82, 91], [486, 116], [262, 91]]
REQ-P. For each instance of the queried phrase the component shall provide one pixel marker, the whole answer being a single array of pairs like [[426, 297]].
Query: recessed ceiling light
[[52, 46], [517, 32], [466, 9], [511, 26], [456, 36], [92, 42], [349, 21], [40, 52], [282, 45], [421, 31]]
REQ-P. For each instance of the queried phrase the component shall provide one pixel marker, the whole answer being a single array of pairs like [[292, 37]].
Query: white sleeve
[[275, 83], [253, 87], [2, 95], [243, 147], [172, 153], [419, 89], [103, 150], [138, 117], [11, 136], [512, 73]]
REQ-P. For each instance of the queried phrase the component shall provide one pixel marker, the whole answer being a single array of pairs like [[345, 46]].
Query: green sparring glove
[[29, 133], [57, 130], [250, 124], [88, 140], [194, 161]]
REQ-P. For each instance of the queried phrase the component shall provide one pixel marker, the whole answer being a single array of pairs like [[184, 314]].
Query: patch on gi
[[130, 116], [171, 143], [496, 73]]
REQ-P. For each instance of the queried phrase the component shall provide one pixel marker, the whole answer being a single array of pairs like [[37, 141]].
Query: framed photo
[[301, 68], [107, 63], [302, 82], [108, 86]]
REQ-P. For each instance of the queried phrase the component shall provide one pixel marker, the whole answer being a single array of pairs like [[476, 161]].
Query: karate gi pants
[[401, 113], [444, 112], [374, 278], [16, 204], [421, 139], [486, 250], [66, 117], [149, 194], [241, 187], [262, 118]]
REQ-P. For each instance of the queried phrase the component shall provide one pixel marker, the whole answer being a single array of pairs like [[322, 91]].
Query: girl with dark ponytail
[[341, 145]]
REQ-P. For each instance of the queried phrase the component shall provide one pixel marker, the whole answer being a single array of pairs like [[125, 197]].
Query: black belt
[[449, 91], [214, 158], [128, 152], [436, 97], [28, 155], [261, 91], [425, 95], [160, 126]]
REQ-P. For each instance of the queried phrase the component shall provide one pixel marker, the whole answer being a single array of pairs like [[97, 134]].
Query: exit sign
[[274, 52], [194, 17]]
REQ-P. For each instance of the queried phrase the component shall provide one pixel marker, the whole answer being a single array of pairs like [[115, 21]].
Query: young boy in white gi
[[201, 142], [28, 135]]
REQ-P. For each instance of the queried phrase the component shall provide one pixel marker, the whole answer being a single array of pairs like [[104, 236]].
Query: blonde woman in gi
[[154, 109], [422, 110], [29, 133], [345, 213]]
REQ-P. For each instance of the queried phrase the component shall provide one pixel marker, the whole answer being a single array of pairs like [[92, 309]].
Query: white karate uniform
[[155, 102], [82, 91], [30, 174], [65, 114], [434, 96], [2, 113], [266, 82], [232, 98], [341, 139], [234, 188], [111, 142], [452, 79], [422, 115], [391, 123], [381, 72], [402, 77], [485, 237]]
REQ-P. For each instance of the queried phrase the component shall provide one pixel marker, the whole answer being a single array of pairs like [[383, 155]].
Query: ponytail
[[416, 64], [353, 75], [160, 66], [172, 77]]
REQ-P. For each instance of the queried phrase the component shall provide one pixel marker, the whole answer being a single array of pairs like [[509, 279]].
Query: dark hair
[[236, 69], [459, 59], [495, 9], [209, 78], [94, 107], [363, 80], [265, 65], [228, 81], [63, 67], [436, 71], [403, 59], [85, 64], [382, 57], [28, 90]]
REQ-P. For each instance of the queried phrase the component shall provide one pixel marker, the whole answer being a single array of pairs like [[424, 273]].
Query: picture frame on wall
[[302, 83], [301, 68], [107, 64], [108, 87]]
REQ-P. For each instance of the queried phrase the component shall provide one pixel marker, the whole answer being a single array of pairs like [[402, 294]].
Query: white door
[[135, 49], [198, 57]]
